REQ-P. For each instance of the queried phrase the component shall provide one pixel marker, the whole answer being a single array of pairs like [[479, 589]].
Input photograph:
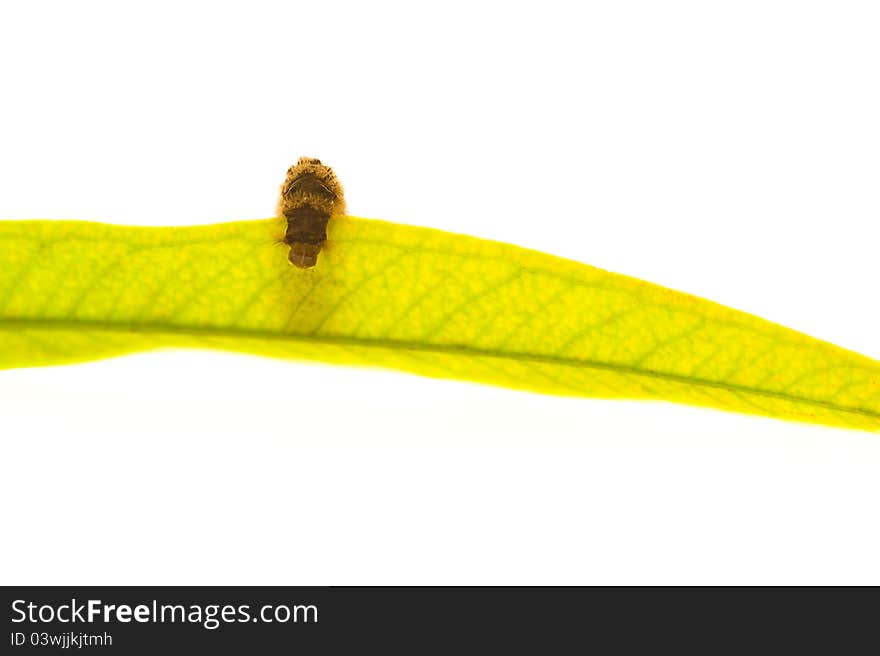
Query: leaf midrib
[[449, 349]]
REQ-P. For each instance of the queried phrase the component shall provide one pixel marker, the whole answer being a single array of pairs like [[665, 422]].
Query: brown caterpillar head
[[304, 255]]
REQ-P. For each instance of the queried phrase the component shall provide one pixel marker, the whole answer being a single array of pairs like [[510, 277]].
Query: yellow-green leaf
[[409, 298]]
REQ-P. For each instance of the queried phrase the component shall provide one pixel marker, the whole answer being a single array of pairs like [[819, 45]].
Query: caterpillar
[[310, 195]]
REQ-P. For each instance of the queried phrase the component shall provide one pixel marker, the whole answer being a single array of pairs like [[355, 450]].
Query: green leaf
[[415, 299]]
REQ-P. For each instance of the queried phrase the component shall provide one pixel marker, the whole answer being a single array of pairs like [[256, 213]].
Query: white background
[[727, 149]]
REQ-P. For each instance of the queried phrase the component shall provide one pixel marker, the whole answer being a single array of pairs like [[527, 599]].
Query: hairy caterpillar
[[310, 195]]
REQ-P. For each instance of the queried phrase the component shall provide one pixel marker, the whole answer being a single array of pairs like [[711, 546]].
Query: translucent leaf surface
[[415, 299]]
